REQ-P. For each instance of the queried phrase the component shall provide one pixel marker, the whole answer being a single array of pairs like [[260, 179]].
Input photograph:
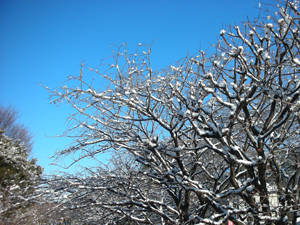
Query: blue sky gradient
[[45, 41]]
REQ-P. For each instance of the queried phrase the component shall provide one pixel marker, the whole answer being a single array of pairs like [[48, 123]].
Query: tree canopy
[[214, 137], [18, 175], [13, 129]]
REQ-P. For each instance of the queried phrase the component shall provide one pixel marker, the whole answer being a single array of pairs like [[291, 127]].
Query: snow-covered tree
[[214, 137], [18, 175]]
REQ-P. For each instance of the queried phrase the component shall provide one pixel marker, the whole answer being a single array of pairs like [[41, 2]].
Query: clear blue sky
[[45, 41]]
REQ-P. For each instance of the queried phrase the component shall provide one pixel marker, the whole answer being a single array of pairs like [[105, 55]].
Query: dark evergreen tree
[[18, 177]]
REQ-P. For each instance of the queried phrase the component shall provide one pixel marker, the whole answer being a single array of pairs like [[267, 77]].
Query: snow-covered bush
[[18, 175]]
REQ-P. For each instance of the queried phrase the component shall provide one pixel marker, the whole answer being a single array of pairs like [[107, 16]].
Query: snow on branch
[[201, 141]]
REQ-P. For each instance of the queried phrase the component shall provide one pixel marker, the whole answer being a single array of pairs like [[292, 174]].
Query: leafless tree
[[214, 137], [13, 129]]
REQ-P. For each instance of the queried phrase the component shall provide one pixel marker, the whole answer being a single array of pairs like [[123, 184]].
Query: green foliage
[[17, 177]]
